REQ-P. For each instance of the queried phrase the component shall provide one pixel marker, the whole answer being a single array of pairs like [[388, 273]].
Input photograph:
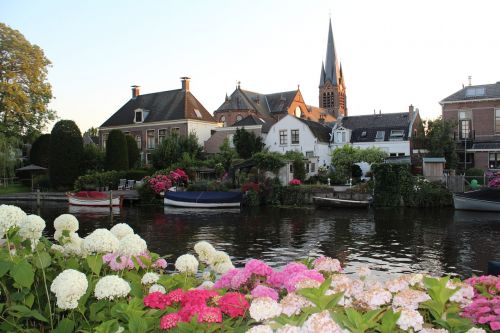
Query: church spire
[[332, 66], [322, 75]]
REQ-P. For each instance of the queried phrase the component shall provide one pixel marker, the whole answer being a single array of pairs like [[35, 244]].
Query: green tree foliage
[[93, 158], [344, 157], [297, 158], [269, 161], [133, 152], [40, 151], [92, 131], [24, 90], [65, 155], [439, 141], [171, 150], [10, 156], [116, 151], [246, 143]]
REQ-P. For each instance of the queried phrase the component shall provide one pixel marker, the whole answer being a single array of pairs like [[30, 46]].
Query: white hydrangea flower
[[187, 263], [327, 264], [410, 319], [400, 283], [32, 229], [57, 248], [111, 287], [434, 330], [416, 279], [261, 329], [409, 299], [10, 217], [100, 241], [263, 308], [320, 323], [289, 329], [463, 295], [292, 304], [363, 271], [150, 278], [375, 297], [223, 267], [66, 222], [132, 245], [157, 288], [121, 230], [69, 286], [120, 329], [220, 257], [206, 285], [350, 288], [205, 251], [476, 330], [74, 245]]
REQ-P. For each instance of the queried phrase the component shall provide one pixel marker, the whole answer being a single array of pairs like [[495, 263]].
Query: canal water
[[437, 241]]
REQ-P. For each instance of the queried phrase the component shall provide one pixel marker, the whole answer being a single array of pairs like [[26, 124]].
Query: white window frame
[[151, 144], [298, 137], [239, 117], [497, 121], [396, 135], [164, 135], [104, 139], [283, 142], [378, 138], [138, 140], [175, 130], [198, 113], [223, 121], [135, 116]]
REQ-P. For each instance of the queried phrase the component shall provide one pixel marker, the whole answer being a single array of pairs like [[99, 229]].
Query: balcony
[[461, 137]]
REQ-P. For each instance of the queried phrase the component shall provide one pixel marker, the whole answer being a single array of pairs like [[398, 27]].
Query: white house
[[391, 132], [310, 138]]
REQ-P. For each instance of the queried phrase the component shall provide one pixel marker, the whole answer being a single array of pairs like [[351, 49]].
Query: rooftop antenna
[[238, 83], [470, 80]]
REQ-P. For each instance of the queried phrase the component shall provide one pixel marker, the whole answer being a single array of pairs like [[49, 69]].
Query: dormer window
[[139, 116], [474, 92], [341, 137], [198, 113], [380, 136], [396, 135], [363, 134]]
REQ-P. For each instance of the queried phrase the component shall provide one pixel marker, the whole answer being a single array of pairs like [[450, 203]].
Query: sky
[[393, 53]]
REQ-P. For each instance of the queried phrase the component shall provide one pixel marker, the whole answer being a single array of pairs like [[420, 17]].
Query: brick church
[[332, 97]]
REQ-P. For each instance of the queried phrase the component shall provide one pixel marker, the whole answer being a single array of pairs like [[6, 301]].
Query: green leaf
[[4, 267], [95, 263], [29, 300], [95, 309], [21, 311], [65, 325], [23, 274], [72, 263], [43, 260], [110, 326], [137, 325]]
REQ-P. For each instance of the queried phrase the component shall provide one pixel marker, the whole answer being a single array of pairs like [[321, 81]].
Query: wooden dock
[[128, 196]]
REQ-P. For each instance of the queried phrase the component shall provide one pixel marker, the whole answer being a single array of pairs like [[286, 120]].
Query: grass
[[14, 188]]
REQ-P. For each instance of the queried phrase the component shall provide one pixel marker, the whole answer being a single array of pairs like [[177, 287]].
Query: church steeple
[[332, 85]]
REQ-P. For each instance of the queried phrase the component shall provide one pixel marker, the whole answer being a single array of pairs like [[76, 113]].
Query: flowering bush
[[250, 186], [109, 281], [295, 182], [161, 181]]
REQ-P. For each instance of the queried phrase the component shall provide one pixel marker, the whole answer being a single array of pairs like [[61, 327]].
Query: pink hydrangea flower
[[258, 267], [233, 304], [294, 279], [225, 280], [160, 263], [156, 300], [169, 321], [263, 291]]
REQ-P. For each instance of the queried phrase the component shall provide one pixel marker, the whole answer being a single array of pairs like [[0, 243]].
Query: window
[[380, 136], [104, 140], [283, 138], [465, 124], [239, 117], [162, 134], [138, 139], [341, 137], [295, 136], [392, 155], [198, 113], [138, 116], [363, 134], [148, 158], [309, 154], [223, 121], [291, 167], [396, 135], [151, 139], [494, 161], [175, 130], [328, 100], [474, 92], [313, 167], [401, 154], [497, 121]]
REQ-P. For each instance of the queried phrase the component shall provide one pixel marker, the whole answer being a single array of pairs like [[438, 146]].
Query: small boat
[[340, 203], [94, 199], [203, 199], [487, 199]]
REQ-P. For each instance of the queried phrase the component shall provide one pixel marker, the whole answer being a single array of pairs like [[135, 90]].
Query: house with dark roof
[[258, 125], [242, 103], [476, 112], [391, 132], [311, 138], [150, 118]]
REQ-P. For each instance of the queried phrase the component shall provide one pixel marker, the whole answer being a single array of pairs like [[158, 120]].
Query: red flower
[[233, 304], [156, 300], [169, 321]]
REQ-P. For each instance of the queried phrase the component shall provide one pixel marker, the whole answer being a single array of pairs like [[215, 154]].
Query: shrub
[[99, 179], [269, 161], [171, 151], [132, 152], [295, 182], [93, 159], [475, 173], [66, 151], [116, 151], [137, 174], [40, 151]]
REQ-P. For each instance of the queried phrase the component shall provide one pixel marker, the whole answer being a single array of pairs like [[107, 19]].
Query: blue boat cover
[[204, 197]]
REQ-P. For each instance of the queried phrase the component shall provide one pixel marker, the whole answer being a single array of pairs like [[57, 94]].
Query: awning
[[485, 146]]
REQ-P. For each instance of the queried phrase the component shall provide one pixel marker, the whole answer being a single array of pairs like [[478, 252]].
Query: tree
[[40, 151], [343, 159], [171, 151], [297, 158], [24, 90], [65, 155], [133, 152], [92, 131], [246, 143], [93, 159], [10, 156], [268, 161], [439, 141], [116, 151]]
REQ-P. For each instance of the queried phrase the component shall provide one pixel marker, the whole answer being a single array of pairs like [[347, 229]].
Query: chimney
[[410, 111], [185, 83], [135, 91]]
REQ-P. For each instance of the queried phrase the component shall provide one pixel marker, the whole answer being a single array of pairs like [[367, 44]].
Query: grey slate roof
[[433, 160], [166, 105], [320, 131], [377, 122], [486, 145], [330, 71], [264, 104], [252, 120], [490, 91]]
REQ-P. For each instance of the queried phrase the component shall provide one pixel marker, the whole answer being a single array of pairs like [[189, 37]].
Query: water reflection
[[388, 240]]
